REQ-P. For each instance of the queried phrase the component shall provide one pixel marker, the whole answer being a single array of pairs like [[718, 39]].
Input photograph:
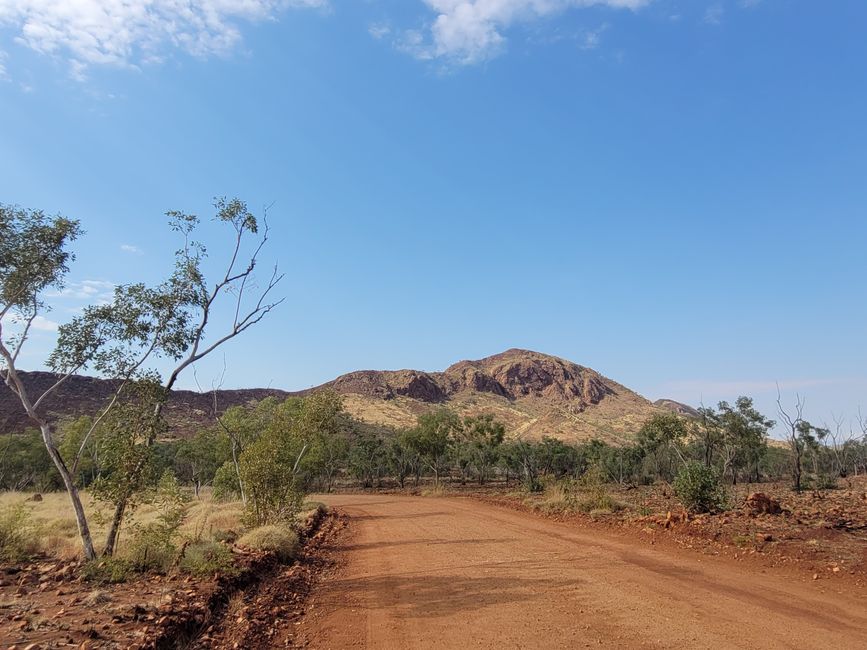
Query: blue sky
[[672, 193]]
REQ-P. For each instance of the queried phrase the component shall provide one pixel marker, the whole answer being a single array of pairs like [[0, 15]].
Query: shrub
[[280, 540], [207, 558], [592, 493], [825, 482], [699, 489], [17, 539], [225, 484], [107, 570], [153, 545]]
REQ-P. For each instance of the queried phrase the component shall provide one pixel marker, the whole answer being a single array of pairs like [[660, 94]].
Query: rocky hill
[[534, 394], [186, 410], [678, 407]]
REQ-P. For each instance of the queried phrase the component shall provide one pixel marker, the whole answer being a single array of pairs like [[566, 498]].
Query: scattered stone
[[759, 503]]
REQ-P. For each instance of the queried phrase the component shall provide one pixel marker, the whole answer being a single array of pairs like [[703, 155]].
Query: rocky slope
[[534, 394], [186, 410], [678, 407]]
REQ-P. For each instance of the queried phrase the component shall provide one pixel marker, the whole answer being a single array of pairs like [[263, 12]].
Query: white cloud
[[592, 38], [129, 248], [91, 290], [713, 15], [16, 324], [44, 325], [472, 31], [379, 30], [130, 32], [3, 57]]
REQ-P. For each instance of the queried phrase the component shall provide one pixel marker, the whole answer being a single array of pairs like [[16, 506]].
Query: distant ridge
[[677, 407], [534, 394]]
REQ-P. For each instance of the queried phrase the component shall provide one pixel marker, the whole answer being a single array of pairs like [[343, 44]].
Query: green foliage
[[479, 439], [280, 540], [125, 456], [744, 438], [699, 489], [269, 469], [225, 483], [523, 458], [17, 534], [153, 545], [206, 558], [197, 459], [660, 440], [433, 439], [558, 459], [25, 464], [592, 494], [34, 255], [403, 457], [368, 459], [78, 441], [295, 445], [110, 570]]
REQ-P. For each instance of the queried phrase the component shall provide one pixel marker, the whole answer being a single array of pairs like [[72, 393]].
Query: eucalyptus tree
[[802, 437], [34, 257], [171, 322], [434, 436], [744, 437], [482, 436]]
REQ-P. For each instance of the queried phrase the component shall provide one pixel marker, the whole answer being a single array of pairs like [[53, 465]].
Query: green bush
[[152, 548], [699, 489], [17, 538], [153, 545], [282, 541], [590, 494], [107, 570], [225, 484], [207, 558]]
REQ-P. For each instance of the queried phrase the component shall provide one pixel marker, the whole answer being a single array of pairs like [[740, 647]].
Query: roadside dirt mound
[[49, 604]]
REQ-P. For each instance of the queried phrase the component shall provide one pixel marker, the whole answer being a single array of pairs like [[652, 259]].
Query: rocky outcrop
[[187, 411], [759, 503], [677, 407], [537, 394]]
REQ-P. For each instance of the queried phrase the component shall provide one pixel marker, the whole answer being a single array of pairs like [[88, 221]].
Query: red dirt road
[[455, 573]]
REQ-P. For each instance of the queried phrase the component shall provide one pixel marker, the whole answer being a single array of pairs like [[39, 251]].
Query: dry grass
[[282, 541], [615, 419], [55, 532], [435, 491]]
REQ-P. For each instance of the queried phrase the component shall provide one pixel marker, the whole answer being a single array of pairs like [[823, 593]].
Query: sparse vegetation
[[207, 558], [280, 540], [16, 533], [699, 489]]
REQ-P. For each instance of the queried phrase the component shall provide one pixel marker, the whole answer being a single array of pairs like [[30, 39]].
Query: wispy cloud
[[591, 39], [467, 32], [133, 250], [713, 15], [379, 30], [3, 74], [44, 325], [99, 291], [126, 33]]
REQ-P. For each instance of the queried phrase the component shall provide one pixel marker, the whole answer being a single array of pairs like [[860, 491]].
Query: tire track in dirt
[[451, 573]]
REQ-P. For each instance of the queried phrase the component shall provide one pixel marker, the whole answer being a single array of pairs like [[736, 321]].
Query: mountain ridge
[[535, 394]]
